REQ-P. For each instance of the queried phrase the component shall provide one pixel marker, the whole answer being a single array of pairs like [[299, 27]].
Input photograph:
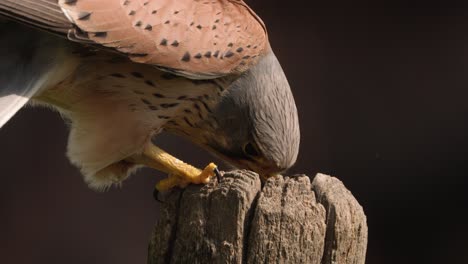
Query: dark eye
[[251, 150]]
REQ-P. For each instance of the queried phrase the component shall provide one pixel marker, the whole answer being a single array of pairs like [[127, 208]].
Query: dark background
[[381, 93]]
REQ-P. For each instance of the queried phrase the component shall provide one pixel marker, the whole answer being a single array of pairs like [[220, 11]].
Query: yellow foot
[[190, 175], [180, 173]]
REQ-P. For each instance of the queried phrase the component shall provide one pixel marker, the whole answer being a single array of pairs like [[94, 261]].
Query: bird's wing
[[198, 39]]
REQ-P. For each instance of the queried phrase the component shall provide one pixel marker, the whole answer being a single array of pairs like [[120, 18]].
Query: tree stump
[[288, 220]]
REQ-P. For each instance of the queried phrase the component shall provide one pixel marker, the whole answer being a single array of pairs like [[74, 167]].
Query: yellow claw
[[180, 173], [174, 180]]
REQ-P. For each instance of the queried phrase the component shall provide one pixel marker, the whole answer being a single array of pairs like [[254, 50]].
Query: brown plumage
[[198, 27], [196, 38], [124, 70]]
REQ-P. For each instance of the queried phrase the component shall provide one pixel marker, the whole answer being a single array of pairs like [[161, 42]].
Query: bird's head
[[256, 123]]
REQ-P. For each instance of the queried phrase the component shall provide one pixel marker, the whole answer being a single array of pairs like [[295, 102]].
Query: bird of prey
[[123, 71]]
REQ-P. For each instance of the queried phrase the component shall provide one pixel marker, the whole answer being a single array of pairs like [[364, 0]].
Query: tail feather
[[26, 58]]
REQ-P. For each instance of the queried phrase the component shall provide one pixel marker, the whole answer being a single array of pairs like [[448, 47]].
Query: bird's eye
[[251, 150]]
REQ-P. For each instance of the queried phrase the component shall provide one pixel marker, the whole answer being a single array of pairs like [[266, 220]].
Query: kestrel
[[123, 71]]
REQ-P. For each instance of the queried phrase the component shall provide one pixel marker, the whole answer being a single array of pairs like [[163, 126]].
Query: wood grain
[[288, 220]]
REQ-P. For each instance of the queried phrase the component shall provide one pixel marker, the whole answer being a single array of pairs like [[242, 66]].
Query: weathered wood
[[289, 220], [346, 239], [289, 225]]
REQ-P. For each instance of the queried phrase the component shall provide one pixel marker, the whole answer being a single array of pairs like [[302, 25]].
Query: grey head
[[257, 126]]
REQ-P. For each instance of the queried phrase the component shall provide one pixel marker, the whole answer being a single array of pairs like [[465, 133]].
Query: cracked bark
[[288, 220]]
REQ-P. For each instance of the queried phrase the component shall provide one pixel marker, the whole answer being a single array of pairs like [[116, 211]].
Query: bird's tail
[[26, 59]]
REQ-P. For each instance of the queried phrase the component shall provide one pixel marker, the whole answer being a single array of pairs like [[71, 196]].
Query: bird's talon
[[218, 174]]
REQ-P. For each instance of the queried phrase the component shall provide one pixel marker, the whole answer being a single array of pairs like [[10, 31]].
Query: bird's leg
[[180, 173]]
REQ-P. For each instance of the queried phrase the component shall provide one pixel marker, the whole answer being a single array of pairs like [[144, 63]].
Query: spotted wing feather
[[195, 38]]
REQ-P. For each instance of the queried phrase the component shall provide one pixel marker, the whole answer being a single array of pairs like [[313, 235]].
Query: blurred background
[[381, 93]]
